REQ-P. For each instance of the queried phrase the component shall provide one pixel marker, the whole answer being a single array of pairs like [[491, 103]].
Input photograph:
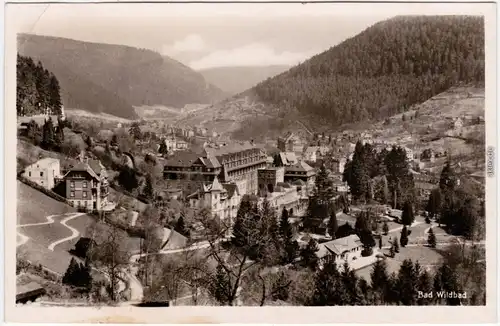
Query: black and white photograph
[[294, 155]]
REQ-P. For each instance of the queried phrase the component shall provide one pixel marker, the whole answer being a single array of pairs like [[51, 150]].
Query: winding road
[[50, 220], [75, 232]]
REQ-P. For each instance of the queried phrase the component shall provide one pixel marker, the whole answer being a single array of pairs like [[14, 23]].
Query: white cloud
[[250, 55], [191, 43]]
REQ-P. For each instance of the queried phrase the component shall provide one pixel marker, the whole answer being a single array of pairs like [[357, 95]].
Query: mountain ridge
[[382, 71], [117, 76]]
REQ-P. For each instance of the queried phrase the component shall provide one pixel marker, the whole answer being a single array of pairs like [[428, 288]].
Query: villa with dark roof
[[87, 185], [233, 163]]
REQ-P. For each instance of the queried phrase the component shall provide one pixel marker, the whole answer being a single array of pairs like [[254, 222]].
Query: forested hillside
[[113, 78], [383, 70], [37, 88], [378, 73]]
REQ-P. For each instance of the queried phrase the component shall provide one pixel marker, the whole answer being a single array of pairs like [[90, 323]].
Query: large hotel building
[[233, 163]]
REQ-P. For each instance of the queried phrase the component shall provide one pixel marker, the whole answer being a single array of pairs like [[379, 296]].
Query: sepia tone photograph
[[250, 155]]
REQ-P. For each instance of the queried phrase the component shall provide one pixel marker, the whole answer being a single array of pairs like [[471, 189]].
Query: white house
[[44, 172], [340, 250]]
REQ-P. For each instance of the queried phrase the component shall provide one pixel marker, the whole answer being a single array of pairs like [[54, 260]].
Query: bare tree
[[110, 254], [233, 259]]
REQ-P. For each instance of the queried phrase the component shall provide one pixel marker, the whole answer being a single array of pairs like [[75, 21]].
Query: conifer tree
[[431, 239], [48, 137], [286, 232], [407, 283], [308, 254], [408, 216], [446, 279], [379, 281], [328, 289], [333, 224], [180, 226], [404, 237], [425, 286], [71, 275], [385, 228], [434, 203]]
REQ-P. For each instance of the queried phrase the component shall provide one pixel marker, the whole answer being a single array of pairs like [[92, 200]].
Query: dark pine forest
[[383, 70], [37, 89]]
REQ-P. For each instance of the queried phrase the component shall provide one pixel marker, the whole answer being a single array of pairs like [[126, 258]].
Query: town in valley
[[356, 177]]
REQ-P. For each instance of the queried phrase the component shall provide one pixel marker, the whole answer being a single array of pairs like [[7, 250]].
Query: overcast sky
[[209, 35]]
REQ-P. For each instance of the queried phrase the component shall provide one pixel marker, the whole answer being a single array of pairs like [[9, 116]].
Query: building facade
[[269, 178], [221, 199], [290, 197], [237, 163], [300, 171], [44, 172], [87, 185]]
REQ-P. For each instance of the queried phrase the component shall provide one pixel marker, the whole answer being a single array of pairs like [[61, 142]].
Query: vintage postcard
[[251, 162]]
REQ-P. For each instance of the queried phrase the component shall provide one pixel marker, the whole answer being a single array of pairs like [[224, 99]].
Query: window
[[72, 194], [29, 173], [41, 174], [72, 184], [84, 194], [79, 204], [84, 184]]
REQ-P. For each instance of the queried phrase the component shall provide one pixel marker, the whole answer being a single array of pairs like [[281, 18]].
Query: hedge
[[46, 191]]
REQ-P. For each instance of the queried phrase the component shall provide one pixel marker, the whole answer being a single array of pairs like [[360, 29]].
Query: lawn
[[424, 255], [57, 261], [33, 205], [48, 233]]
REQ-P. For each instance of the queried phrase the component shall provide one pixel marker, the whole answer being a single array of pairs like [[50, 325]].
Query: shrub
[[367, 251]]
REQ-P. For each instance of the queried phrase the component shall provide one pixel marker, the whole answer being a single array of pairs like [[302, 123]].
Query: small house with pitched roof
[[340, 250]]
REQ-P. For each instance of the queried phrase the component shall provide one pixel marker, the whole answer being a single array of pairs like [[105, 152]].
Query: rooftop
[[182, 159], [300, 167], [84, 167], [48, 160], [232, 147], [339, 246]]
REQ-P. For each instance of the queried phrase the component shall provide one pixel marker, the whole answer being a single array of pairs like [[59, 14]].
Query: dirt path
[[74, 232]]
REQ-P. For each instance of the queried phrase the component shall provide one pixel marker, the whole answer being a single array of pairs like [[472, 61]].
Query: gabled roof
[[339, 246], [299, 167], [85, 168], [96, 165], [182, 159]]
